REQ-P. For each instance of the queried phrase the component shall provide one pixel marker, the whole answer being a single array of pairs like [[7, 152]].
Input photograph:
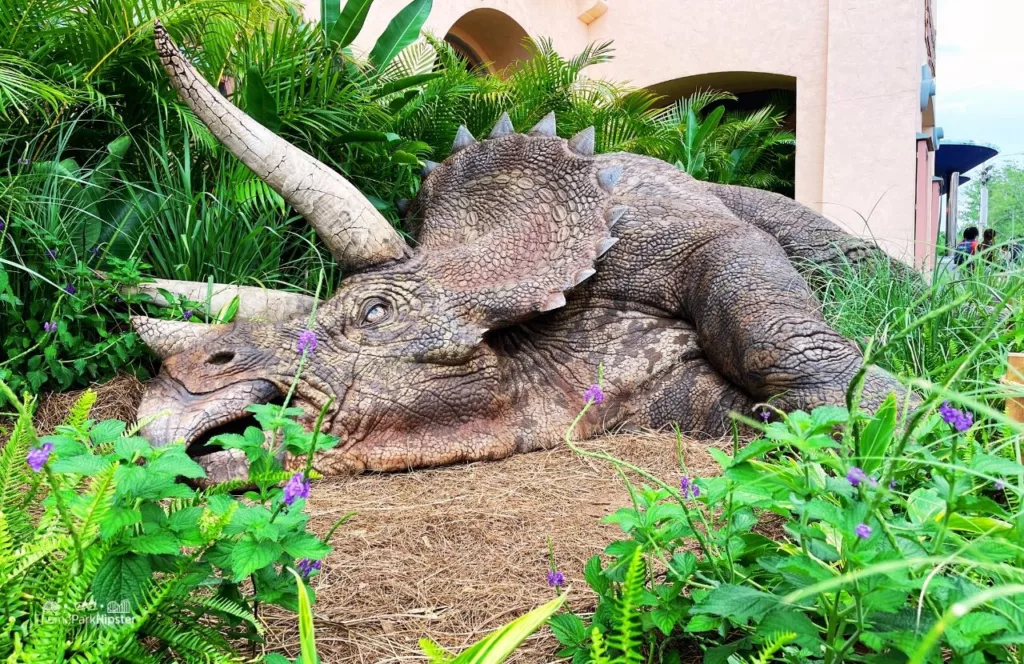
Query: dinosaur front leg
[[760, 325]]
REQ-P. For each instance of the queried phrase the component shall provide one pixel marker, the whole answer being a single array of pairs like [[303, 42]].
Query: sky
[[980, 73]]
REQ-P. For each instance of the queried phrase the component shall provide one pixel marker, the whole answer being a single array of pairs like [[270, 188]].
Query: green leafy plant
[[497, 646], [121, 562], [891, 541]]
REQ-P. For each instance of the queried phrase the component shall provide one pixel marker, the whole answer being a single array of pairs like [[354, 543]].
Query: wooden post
[[1015, 377]]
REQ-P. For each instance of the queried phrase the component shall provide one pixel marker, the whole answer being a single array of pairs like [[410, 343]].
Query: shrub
[[104, 557], [886, 542]]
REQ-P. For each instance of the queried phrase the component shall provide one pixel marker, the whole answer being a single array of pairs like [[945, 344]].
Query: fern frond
[[598, 649], [79, 413], [772, 647], [626, 635], [14, 477], [101, 489]]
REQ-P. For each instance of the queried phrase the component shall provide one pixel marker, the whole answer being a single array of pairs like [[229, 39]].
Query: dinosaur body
[[536, 262]]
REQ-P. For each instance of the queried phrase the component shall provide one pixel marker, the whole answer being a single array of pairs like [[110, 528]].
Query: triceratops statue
[[536, 262]]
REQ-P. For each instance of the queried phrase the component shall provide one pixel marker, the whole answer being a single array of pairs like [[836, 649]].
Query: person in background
[[987, 248], [968, 246]]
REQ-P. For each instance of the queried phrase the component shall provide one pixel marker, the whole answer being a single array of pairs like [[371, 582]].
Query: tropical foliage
[[122, 563]]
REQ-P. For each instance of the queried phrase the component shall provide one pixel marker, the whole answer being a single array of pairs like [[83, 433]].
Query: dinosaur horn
[[355, 232], [254, 304], [168, 337]]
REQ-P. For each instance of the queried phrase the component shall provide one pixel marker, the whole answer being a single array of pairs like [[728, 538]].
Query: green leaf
[[176, 463], [259, 103], [130, 480], [403, 30], [796, 622], [116, 520], [83, 464], [405, 158], [122, 577], [825, 418], [876, 436], [966, 632], [249, 555], [106, 432], [568, 628], [594, 576], [307, 639], [346, 28], [228, 312], [498, 645], [127, 448], [738, 603], [305, 545], [160, 542], [702, 623], [275, 658], [330, 11], [365, 136], [406, 82]]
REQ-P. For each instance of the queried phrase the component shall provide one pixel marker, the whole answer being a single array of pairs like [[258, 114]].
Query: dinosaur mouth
[[177, 414], [202, 444]]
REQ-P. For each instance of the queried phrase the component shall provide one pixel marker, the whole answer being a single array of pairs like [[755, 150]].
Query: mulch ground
[[450, 553]]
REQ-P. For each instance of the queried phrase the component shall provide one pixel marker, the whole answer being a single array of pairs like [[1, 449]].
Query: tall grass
[[941, 318]]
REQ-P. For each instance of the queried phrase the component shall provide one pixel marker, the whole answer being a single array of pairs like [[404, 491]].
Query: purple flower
[[688, 488], [187, 315], [25, 161], [307, 567], [594, 394], [297, 487], [855, 476], [960, 420], [95, 251], [38, 456], [307, 342], [766, 415], [52, 253], [2, 225], [49, 326], [1000, 485], [556, 579], [862, 531], [70, 289], [892, 484]]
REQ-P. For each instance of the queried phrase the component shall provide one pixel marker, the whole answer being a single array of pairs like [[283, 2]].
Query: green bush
[[105, 557], [896, 544]]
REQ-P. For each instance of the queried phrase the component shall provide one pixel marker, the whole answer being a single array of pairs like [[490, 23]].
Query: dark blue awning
[[960, 157]]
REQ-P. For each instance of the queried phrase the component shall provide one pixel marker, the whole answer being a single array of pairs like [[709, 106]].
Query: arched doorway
[[488, 39]]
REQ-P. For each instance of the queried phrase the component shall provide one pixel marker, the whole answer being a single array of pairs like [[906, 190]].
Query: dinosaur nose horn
[[167, 337]]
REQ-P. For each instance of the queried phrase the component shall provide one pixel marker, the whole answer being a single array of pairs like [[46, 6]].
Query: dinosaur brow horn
[[355, 232]]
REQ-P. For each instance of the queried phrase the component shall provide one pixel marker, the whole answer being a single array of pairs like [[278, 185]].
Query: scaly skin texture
[[450, 356], [537, 262]]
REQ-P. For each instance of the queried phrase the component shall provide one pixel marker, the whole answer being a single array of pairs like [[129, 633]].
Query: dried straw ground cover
[[449, 553]]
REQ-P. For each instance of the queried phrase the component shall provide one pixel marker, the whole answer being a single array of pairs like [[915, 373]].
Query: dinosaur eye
[[374, 312]]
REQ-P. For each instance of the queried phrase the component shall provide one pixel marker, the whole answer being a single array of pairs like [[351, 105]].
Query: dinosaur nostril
[[221, 357]]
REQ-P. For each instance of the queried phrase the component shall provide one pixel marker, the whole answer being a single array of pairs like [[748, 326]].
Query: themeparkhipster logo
[[112, 613]]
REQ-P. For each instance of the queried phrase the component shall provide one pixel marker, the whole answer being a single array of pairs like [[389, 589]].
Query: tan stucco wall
[[856, 64]]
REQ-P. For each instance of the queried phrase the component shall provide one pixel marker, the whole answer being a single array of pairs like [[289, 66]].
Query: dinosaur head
[[506, 226], [393, 349]]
